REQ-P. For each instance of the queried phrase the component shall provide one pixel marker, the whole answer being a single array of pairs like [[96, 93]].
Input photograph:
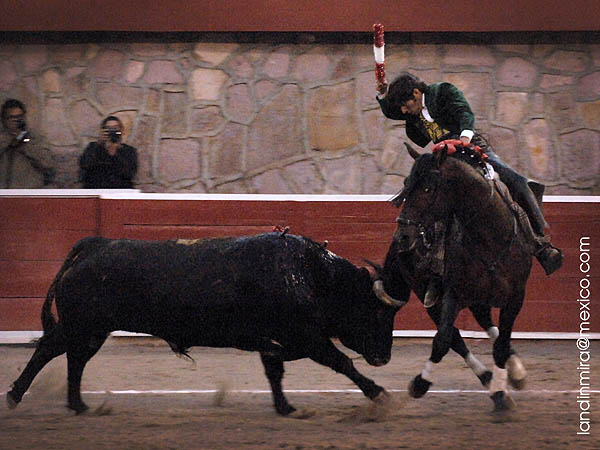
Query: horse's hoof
[[485, 378], [11, 401], [519, 385], [517, 374], [502, 402], [418, 387]]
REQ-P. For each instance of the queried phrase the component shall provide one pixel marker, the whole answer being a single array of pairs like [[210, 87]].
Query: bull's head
[[370, 325]]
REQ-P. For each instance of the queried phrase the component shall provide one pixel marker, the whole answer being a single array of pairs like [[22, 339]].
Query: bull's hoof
[[285, 410], [79, 408], [485, 378], [418, 387], [302, 414], [11, 400], [502, 402], [383, 398]]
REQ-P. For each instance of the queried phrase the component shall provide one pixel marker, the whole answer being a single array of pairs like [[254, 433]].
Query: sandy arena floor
[[230, 406]]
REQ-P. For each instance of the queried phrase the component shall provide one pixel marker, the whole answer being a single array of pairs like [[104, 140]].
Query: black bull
[[282, 295]]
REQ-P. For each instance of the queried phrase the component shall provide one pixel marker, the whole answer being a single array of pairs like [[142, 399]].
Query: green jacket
[[447, 106]]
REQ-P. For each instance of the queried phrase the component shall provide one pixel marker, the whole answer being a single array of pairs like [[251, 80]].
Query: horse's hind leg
[[502, 356], [483, 316], [78, 354], [516, 370], [48, 347]]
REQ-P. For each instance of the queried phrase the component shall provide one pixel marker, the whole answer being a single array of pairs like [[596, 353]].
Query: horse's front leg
[[459, 346], [442, 342]]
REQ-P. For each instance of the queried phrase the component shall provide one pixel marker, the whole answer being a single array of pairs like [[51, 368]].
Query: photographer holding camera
[[108, 163], [24, 164]]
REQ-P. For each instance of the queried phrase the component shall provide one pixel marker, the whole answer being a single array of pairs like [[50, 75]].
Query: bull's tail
[[48, 319]]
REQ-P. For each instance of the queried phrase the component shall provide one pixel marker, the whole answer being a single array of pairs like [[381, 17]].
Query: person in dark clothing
[[108, 163], [25, 163], [440, 111]]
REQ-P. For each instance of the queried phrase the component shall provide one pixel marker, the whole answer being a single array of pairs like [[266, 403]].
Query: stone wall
[[302, 118]]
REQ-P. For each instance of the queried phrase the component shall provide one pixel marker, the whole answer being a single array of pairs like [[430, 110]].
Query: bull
[[281, 295]]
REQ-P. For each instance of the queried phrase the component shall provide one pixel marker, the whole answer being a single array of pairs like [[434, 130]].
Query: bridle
[[423, 231]]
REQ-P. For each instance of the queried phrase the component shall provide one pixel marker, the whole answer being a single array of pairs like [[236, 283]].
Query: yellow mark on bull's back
[[187, 241]]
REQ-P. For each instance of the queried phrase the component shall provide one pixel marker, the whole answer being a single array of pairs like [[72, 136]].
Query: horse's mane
[[427, 161]]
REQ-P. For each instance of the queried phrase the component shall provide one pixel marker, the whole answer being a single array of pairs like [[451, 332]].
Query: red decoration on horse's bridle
[[452, 144]]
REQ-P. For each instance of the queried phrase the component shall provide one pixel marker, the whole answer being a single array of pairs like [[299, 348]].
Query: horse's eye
[[427, 189]]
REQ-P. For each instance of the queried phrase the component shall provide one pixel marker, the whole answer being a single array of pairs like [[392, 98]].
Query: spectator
[[108, 163], [24, 163]]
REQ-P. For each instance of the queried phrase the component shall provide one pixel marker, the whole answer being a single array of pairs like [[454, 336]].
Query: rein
[[419, 226]]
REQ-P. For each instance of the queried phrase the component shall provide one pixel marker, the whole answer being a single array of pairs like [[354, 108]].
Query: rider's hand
[[465, 140], [382, 88]]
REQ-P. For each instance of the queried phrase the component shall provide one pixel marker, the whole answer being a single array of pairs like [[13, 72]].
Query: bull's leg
[[441, 345], [502, 353], [327, 354], [49, 347], [77, 357], [273, 363], [272, 356], [459, 346]]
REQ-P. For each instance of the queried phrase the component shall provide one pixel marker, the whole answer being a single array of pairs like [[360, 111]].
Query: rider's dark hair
[[401, 89]]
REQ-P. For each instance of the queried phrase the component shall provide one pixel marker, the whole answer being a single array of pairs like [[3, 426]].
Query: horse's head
[[422, 202]]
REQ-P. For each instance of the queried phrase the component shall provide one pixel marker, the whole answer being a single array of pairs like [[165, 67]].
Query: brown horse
[[487, 257]]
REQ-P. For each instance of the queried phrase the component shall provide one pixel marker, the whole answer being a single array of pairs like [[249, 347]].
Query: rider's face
[[415, 105]]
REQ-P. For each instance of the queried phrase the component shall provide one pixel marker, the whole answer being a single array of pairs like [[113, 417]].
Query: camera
[[114, 136], [23, 135]]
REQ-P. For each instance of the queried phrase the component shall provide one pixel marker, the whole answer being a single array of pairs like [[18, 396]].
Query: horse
[[487, 257]]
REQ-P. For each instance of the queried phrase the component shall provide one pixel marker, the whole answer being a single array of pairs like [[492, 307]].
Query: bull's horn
[[385, 297], [411, 151]]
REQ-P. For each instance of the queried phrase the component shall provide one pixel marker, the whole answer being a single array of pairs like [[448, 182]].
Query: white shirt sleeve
[[468, 134]]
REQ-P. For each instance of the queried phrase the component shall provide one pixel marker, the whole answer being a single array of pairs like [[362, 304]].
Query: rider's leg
[[522, 191]]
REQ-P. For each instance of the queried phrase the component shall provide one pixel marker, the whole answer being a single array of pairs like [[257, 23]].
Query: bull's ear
[[366, 273], [375, 270]]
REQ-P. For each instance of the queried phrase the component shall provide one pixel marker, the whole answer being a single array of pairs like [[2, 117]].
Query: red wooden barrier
[[299, 15], [37, 232]]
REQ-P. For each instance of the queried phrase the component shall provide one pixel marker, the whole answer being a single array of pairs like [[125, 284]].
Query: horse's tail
[[48, 319]]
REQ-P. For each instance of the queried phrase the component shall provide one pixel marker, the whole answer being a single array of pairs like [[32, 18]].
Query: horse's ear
[[411, 151], [441, 156]]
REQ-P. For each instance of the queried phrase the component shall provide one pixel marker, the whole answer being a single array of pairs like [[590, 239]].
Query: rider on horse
[[438, 112]]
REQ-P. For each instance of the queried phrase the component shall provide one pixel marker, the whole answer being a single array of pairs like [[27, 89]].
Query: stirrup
[[550, 257]]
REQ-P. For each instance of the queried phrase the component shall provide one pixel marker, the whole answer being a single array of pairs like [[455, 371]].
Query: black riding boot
[[522, 191]]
